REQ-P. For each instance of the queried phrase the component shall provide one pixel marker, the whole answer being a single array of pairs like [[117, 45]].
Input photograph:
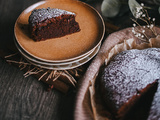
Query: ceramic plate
[[59, 66], [69, 47]]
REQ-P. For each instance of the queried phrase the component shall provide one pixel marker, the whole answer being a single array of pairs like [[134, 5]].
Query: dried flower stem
[[31, 72], [12, 61], [8, 56], [141, 33], [70, 78], [65, 71], [57, 76], [49, 74], [43, 75], [54, 73], [20, 64], [142, 14]]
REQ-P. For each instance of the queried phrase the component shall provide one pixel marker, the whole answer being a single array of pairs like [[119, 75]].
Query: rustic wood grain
[[26, 98]]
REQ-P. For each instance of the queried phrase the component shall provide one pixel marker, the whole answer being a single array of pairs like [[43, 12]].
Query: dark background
[[27, 98]]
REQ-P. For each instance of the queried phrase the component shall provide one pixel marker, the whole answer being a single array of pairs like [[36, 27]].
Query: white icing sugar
[[39, 15], [130, 71]]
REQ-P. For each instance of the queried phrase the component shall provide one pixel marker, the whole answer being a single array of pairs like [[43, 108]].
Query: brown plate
[[65, 48], [57, 65]]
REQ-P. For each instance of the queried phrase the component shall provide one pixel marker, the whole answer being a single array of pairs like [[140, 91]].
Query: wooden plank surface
[[26, 98]]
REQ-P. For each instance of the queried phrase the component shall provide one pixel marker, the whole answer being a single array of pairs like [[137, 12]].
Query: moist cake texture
[[48, 23]]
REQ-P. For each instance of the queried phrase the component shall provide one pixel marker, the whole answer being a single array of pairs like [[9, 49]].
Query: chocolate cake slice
[[48, 23], [128, 77]]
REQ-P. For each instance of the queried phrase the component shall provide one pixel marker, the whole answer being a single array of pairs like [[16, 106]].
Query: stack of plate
[[22, 39], [59, 64]]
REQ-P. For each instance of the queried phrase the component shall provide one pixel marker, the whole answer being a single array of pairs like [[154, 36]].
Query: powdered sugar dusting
[[39, 15], [128, 72]]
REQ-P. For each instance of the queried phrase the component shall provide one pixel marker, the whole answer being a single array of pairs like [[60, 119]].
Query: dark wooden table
[[26, 98]]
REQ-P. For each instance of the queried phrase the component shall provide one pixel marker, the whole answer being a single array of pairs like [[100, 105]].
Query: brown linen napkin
[[83, 109]]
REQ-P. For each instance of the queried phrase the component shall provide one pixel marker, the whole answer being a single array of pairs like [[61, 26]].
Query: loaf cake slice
[[49, 23]]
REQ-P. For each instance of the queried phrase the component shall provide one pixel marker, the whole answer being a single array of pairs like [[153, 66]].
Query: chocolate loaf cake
[[128, 78], [51, 23]]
